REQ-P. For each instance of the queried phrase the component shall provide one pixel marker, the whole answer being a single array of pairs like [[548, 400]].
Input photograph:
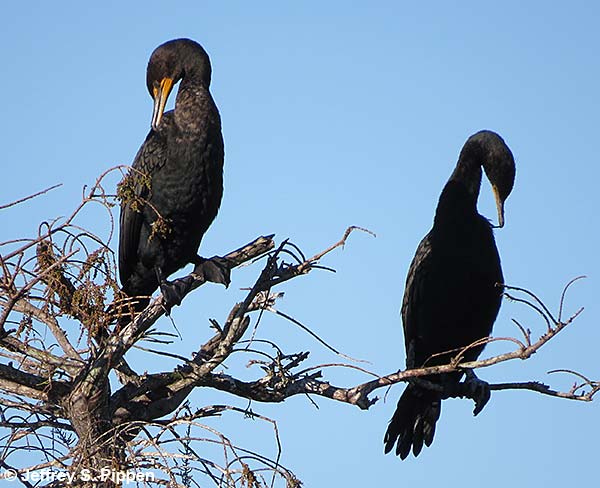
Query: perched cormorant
[[451, 299], [173, 192]]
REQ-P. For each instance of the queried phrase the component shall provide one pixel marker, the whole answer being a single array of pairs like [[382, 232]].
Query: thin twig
[[24, 199]]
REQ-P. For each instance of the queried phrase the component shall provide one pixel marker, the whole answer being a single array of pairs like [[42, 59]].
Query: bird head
[[499, 167], [169, 63]]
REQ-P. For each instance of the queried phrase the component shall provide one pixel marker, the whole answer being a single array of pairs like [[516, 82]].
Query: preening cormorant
[[451, 299], [173, 192]]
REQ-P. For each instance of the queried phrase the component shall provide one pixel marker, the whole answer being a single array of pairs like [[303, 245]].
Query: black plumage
[[173, 192], [451, 299]]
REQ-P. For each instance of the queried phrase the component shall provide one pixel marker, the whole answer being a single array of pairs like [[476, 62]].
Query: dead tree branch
[[59, 347]]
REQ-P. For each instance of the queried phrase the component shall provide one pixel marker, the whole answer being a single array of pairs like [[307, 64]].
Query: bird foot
[[174, 291], [472, 387], [477, 390], [215, 270]]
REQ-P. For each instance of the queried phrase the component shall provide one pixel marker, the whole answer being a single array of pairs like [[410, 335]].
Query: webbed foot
[[215, 270], [174, 291], [478, 390]]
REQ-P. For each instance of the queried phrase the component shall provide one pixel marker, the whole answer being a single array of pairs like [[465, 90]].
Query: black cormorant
[[173, 192], [451, 299]]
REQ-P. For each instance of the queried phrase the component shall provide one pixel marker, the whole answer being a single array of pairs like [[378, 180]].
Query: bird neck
[[458, 201], [190, 104], [467, 174]]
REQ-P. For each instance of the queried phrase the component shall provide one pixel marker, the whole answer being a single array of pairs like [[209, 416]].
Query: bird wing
[[417, 289], [150, 157], [451, 300]]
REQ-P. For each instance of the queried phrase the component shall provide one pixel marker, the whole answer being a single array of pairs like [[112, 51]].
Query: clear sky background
[[338, 114]]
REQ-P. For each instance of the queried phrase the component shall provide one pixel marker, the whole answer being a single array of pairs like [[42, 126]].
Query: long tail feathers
[[413, 422]]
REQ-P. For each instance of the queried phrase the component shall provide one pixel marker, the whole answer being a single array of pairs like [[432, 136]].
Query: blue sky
[[345, 114]]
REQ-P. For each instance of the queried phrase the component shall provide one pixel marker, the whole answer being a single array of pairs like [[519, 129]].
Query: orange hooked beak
[[160, 94], [499, 206]]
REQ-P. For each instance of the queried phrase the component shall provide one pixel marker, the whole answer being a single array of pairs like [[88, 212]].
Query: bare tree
[[71, 400]]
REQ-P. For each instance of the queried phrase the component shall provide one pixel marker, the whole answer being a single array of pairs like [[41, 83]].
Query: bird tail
[[413, 422]]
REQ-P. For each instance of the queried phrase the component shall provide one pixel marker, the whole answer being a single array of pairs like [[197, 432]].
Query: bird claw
[[174, 291], [215, 270], [472, 387], [478, 390]]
